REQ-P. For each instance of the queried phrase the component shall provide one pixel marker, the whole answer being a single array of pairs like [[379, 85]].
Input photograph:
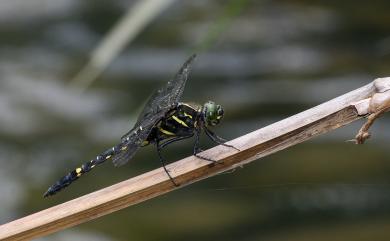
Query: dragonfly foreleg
[[197, 149], [217, 139]]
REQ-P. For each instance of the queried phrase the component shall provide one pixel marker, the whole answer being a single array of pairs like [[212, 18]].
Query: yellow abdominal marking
[[123, 148], [108, 157], [219, 117], [179, 121], [78, 171], [187, 115], [166, 132]]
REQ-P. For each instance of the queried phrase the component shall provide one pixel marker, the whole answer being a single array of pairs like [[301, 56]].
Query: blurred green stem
[[229, 13]]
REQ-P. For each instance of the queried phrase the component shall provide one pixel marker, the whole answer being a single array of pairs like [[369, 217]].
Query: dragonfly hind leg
[[160, 146]]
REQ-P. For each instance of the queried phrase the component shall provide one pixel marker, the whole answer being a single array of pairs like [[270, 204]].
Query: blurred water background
[[262, 60]]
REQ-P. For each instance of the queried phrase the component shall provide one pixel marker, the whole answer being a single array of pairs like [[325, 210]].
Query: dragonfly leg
[[163, 163], [175, 139], [197, 149], [217, 139]]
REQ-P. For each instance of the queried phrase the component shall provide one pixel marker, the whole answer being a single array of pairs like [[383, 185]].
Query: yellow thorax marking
[[187, 115], [166, 132], [179, 121], [193, 106], [123, 148], [185, 104]]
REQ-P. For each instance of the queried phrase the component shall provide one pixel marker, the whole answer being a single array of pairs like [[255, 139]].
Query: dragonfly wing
[[168, 96], [163, 100], [124, 156], [132, 141]]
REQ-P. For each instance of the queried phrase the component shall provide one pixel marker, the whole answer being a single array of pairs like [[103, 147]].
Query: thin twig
[[265, 141]]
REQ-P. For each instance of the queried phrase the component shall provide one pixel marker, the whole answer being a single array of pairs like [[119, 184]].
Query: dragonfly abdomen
[[79, 171]]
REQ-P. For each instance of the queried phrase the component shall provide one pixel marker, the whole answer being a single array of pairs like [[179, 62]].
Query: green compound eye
[[213, 113]]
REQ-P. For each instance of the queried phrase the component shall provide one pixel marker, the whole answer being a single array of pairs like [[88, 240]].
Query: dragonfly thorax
[[180, 121]]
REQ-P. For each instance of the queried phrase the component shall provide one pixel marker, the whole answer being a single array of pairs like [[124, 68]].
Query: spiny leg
[[175, 139], [217, 139], [197, 149], [163, 163]]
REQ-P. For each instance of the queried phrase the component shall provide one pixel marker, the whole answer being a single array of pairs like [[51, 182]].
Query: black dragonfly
[[163, 121]]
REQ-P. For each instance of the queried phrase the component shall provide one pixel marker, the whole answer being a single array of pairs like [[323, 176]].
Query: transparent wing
[[162, 101], [167, 97], [132, 141]]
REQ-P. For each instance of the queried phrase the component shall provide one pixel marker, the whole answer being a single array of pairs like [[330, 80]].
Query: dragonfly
[[163, 121]]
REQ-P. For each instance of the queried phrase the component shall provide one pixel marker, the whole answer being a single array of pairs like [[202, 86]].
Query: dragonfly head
[[212, 113]]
